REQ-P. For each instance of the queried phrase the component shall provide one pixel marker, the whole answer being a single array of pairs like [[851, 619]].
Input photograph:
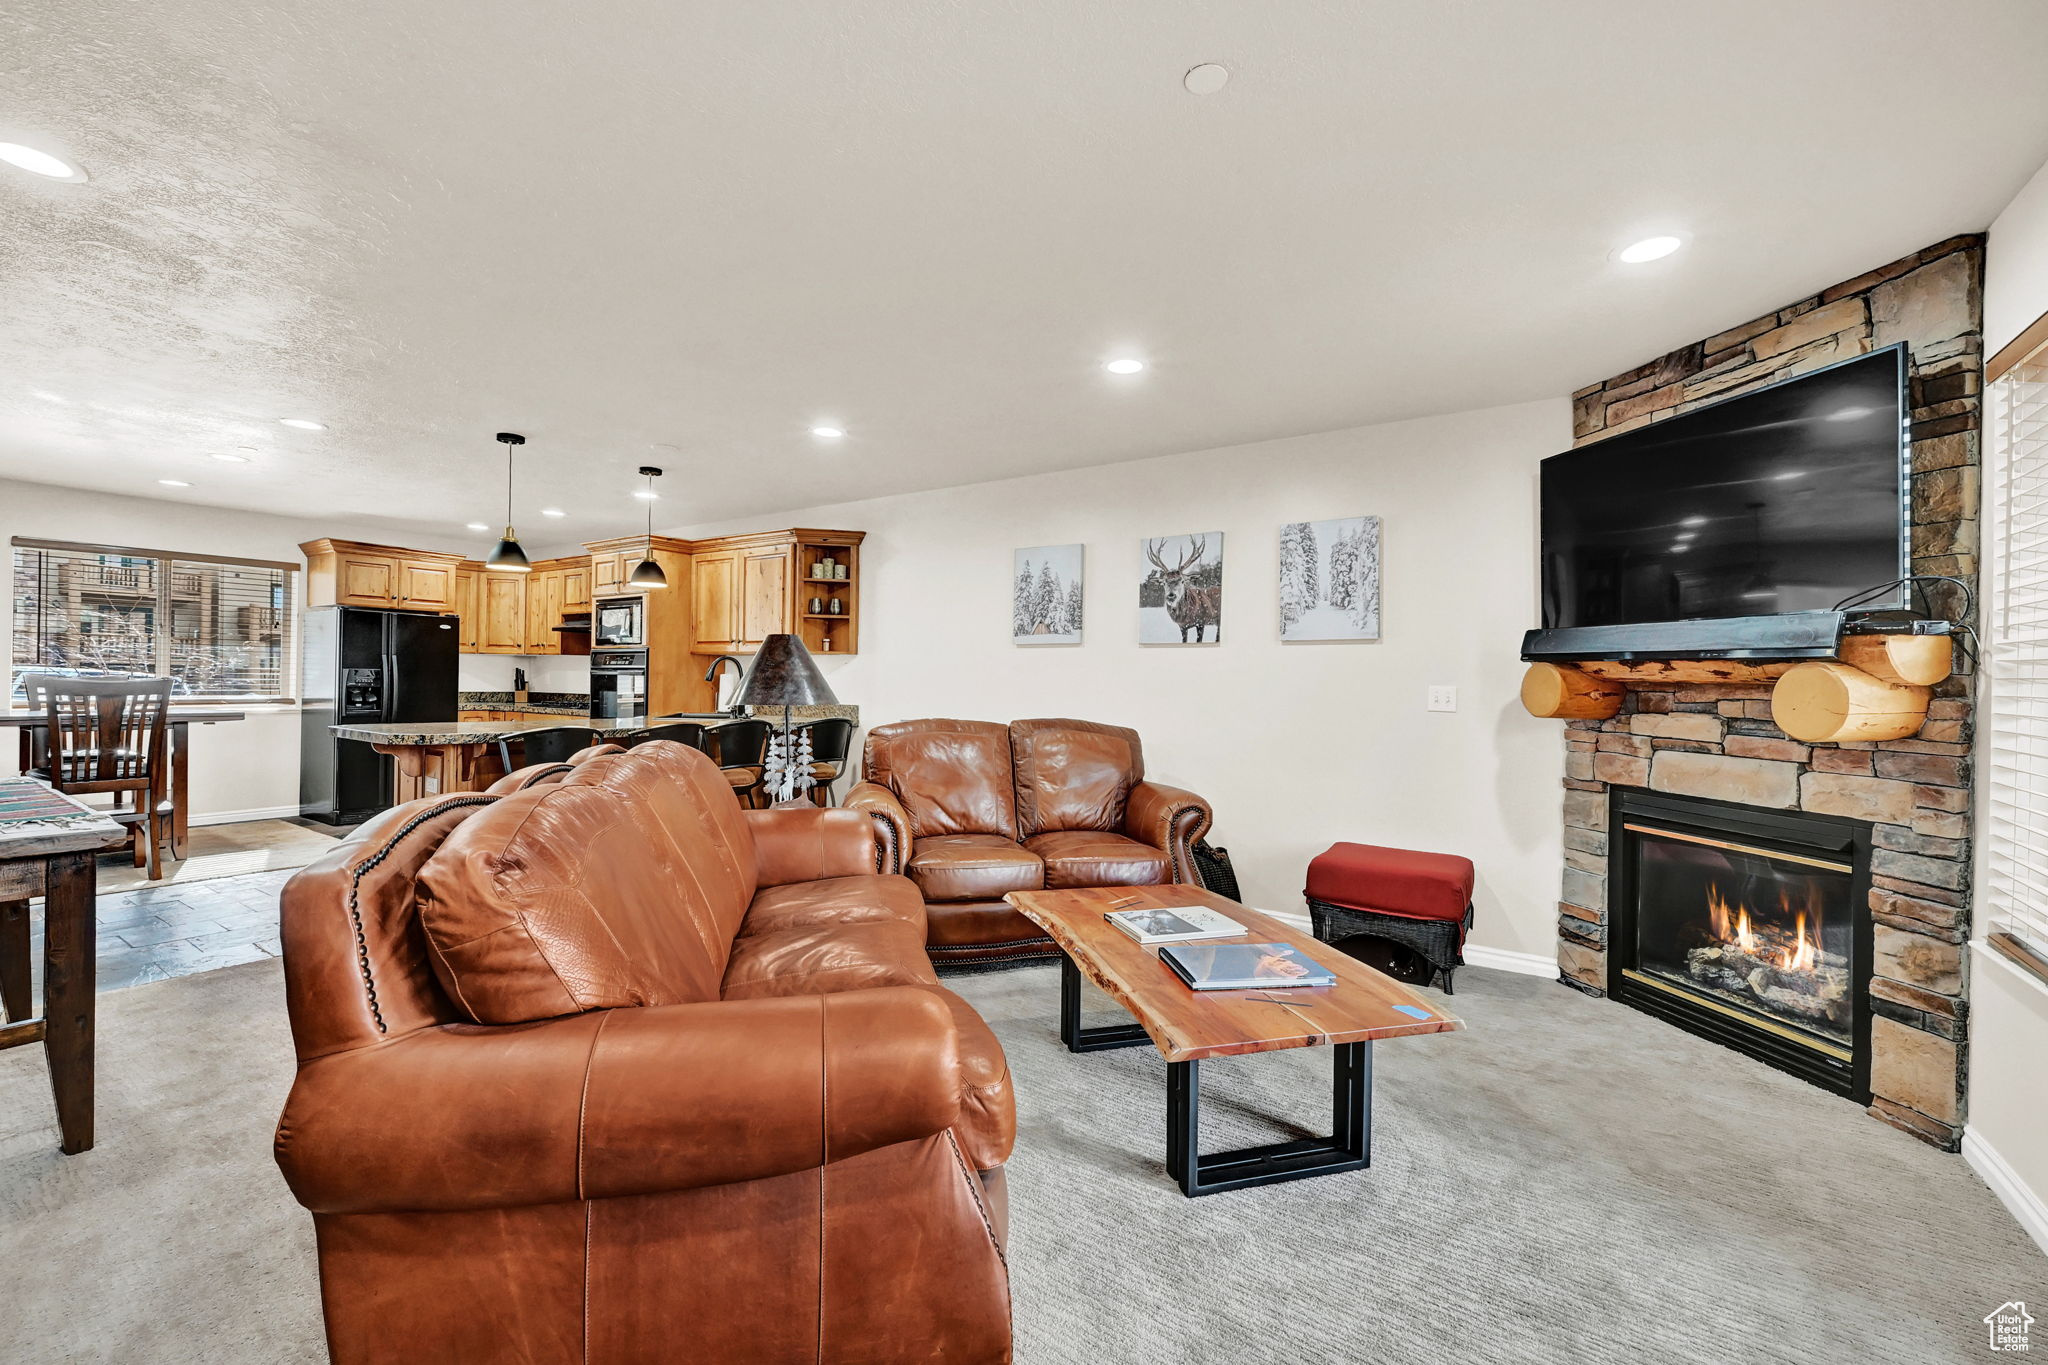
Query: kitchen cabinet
[[503, 627], [749, 587], [608, 574], [468, 612], [543, 611], [351, 574], [576, 588], [764, 602], [715, 591]]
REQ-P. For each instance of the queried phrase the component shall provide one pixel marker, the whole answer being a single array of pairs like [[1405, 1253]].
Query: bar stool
[[546, 746], [682, 732], [740, 748], [830, 739]]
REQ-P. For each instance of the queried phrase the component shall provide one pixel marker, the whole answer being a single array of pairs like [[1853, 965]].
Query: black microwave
[[619, 621]]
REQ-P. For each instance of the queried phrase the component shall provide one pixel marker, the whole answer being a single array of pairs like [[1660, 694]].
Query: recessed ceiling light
[[1649, 249], [828, 433], [1680, 548], [1789, 475], [1206, 79], [1693, 521], [1124, 365], [477, 526], [303, 424], [553, 512], [39, 162], [646, 495], [229, 457], [1687, 535], [174, 483]]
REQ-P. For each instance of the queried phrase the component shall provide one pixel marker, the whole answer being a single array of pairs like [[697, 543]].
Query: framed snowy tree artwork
[[1330, 579], [1045, 596]]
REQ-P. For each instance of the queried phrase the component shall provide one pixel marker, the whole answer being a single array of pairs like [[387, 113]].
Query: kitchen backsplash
[[544, 673]]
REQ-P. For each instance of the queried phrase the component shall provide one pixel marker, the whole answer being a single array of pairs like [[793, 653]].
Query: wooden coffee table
[[1187, 1025]]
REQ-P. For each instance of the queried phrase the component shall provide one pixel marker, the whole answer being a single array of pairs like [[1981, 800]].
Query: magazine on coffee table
[[1174, 924], [1245, 966]]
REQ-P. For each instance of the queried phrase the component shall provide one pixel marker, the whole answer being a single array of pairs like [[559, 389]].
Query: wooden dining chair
[[35, 741], [108, 735]]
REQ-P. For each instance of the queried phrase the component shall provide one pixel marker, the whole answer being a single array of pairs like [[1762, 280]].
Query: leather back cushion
[[1073, 774], [624, 884], [952, 776]]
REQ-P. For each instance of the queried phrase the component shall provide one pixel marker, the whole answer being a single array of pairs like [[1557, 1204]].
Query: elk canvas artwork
[[1045, 596], [1330, 579], [1180, 598]]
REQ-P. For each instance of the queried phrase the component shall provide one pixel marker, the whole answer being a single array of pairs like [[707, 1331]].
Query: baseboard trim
[[1293, 919], [1502, 960], [2020, 1201], [236, 817]]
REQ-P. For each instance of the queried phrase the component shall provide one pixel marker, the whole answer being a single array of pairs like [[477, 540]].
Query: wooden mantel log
[[1560, 692], [1908, 660], [1829, 703], [1736, 671]]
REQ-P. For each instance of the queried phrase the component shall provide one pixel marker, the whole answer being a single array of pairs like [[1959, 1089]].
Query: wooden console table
[[47, 846]]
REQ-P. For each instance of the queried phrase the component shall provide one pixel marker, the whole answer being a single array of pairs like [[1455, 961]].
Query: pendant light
[[508, 557], [647, 573]]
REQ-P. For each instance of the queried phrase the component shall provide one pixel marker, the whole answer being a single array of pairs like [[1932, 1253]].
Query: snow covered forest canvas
[[1045, 596], [1330, 579]]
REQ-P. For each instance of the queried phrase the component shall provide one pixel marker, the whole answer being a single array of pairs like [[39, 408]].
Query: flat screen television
[[1789, 498]]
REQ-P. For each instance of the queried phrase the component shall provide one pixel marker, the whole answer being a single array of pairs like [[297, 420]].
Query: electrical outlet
[[1443, 698]]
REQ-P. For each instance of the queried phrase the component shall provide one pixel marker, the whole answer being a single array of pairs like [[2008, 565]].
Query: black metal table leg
[[1096, 1039], [1348, 1148]]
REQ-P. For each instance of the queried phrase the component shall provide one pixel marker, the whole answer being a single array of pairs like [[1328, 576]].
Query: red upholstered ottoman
[[1421, 901]]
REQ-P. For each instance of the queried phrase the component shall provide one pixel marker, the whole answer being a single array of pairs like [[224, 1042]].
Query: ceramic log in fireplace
[[1749, 927]]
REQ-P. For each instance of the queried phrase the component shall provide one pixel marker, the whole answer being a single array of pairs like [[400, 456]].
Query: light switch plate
[[1443, 697]]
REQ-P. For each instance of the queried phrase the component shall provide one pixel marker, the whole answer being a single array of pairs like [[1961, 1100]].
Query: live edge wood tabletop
[[1187, 1025]]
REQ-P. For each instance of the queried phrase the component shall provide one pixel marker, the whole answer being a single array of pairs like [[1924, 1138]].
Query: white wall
[[1296, 745], [242, 766], [544, 672], [2007, 1137], [2016, 265]]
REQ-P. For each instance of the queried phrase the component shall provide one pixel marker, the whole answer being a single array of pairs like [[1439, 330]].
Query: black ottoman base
[[1440, 942]]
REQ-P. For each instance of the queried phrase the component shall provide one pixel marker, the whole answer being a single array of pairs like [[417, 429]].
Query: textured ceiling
[[710, 225]]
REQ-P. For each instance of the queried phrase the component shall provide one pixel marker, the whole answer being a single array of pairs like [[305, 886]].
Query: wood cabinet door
[[576, 588], [714, 580], [426, 585], [504, 627], [764, 596], [468, 613], [608, 574], [366, 581], [543, 612]]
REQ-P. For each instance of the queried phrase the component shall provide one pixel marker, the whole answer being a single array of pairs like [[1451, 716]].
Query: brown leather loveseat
[[971, 810], [607, 1070]]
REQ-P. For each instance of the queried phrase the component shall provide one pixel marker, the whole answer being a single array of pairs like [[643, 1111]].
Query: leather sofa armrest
[[892, 822], [811, 845], [618, 1102], [1169, 819]]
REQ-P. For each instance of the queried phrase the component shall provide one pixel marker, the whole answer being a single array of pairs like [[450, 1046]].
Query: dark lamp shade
[[785, 674], [647, 574], [508, 557]]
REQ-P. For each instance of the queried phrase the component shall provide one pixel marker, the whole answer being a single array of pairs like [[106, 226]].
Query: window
[[215, 627], [2016, 897]]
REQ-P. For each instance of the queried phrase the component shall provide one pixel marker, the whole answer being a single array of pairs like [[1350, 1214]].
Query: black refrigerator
[[365, 666]]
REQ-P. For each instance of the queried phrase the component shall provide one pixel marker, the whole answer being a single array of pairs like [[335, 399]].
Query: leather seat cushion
[[1085, 857], [827, 959], [834, 902], [952, 776], [976, 924], [972, 867], [987, 1126]]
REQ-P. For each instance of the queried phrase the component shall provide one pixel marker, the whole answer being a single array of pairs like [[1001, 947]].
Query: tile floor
[[166, 931]]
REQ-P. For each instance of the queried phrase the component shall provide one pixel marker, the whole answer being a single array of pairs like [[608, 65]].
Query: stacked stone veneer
[[1718, 741]]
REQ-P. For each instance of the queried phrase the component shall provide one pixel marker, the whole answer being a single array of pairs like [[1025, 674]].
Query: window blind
[[215, 627], [2016, 847]]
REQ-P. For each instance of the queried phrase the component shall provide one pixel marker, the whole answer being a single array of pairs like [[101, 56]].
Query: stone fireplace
[[1895, 935]]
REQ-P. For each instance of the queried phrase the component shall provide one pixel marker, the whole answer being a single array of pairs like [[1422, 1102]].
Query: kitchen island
[[433, 757]]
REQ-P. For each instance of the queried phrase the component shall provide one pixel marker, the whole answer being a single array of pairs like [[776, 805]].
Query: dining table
[[179, 720]]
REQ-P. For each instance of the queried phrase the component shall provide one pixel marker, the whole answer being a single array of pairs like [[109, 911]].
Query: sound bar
[[1793, 635]]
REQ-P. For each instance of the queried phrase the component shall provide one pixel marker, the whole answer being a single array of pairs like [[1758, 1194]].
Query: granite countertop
[[539, 703], [431, 732]]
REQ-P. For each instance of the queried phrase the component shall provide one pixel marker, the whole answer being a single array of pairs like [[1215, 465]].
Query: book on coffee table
[[1245, 966], [1174, 924]]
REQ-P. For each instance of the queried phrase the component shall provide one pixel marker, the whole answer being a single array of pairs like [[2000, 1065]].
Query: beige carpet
[[214, 851], [1567, 1182]]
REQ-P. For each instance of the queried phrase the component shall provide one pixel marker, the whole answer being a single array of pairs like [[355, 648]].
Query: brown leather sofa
[[606, 1070], [970, 810]]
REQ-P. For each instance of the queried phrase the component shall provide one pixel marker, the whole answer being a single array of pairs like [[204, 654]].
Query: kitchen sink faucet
[[711, 675]]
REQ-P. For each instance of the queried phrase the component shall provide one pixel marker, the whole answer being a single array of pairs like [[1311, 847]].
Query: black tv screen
[[1789, 498]]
